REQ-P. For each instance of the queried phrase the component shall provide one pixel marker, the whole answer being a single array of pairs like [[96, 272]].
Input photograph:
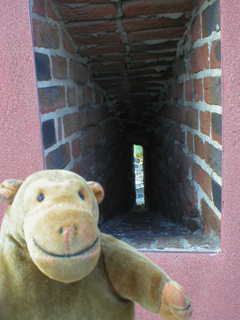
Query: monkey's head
[[55, 213]]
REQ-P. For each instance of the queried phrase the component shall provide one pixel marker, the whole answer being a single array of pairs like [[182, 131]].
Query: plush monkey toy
[[56, 265]]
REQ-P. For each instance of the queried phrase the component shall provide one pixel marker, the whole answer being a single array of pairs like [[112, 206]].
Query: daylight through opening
[[139, 175]]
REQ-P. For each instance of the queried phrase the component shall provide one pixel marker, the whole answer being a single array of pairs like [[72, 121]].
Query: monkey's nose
[[68, 233]]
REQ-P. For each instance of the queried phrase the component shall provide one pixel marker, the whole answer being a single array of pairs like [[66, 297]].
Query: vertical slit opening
[[138, 175]]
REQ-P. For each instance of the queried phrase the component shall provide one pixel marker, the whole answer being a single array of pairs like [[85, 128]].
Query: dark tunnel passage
[[113, 74]]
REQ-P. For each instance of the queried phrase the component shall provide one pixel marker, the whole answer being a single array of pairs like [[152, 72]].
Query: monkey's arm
[[136, 278]]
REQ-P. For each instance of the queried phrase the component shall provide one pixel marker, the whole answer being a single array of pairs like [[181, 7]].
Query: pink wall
[[20, 138], [212, 280]]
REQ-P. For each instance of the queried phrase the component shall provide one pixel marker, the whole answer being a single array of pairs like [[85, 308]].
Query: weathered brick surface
[[212, 90], [71, 97], [163, 33], [59, 67], [137, 8], [199, 59], [191, 118], [50, 12], [86, 28], [78, 72], [42, 67], [196, 29], [205, 122], [217, 127], [59, 129], [59, 158], [110, 38], [203, 179], [214, 158], [48, 133], [45, 35], [68, 46], [51, 99], [215, 56], [199, 147], [211, 19], [198, 90], [73, 123], [88, 12], [39, 7], [210, 219], [140, 23]]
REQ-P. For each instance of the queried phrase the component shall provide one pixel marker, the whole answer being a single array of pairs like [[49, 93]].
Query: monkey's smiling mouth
[[79, 253]]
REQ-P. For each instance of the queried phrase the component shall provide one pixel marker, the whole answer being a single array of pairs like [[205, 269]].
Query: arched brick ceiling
[[129, 46]]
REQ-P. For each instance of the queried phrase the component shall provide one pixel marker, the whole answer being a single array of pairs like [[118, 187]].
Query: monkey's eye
[[81, 195], [40, 197]]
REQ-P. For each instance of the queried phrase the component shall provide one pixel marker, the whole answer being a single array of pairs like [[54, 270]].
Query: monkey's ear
[[98, 190], [8, 190]]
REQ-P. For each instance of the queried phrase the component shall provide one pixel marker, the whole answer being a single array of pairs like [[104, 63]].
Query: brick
[[217, 195], [211, 19], [91, 116], [199, 59], [179, 67], [103, 113], [217, 127], [59, 67], [90, 138], [88, 95], [215, 55], [39, 7], [88, 12], [178, 133], [214, 158], [188, 90], [50, 12], [212, 90], [95, 51], [203, 179], [71, 97], [175, 113], [205, 120], [73, 123], [139, 47], [191, 117], [177, 90], [198, 90], [139, 23], [51, 99], [76, 150], [67, 44], [210, 219], [109, 58], [59, 158], [110, 38], [81, 96], [196, 29], [45, 35], [108, 66], [163, 33], [42, 67], [199, 147], [48, 133], [59, 129], [86, 28], [154, 7], [190, 141], [78, 72]]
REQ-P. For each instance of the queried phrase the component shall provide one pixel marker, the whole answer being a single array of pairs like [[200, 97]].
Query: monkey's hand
[[176, 305]]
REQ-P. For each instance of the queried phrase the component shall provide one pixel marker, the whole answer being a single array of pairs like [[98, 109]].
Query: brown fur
[[56, 265]]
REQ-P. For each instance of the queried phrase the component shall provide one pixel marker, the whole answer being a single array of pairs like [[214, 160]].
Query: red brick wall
[[79, 133], [184, 158]]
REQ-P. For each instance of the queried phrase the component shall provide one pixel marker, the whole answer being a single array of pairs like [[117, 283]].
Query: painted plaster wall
[[20, 136]]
